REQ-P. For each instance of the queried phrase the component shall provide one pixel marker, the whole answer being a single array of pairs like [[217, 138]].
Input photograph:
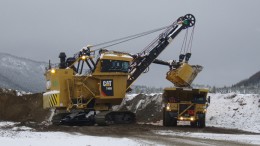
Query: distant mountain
[[252, 81], [21, 73], [247, 86]]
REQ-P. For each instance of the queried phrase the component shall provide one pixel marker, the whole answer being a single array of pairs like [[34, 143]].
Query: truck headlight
[[53, 71], [83, 57], [191, 118], [168, 107]]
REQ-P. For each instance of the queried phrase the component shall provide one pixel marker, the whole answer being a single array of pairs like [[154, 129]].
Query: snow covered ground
[[11, 135], [240, 138], [234, 111]]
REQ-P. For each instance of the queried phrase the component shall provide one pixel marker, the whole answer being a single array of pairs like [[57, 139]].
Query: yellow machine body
[[65, 89], [57, 90]]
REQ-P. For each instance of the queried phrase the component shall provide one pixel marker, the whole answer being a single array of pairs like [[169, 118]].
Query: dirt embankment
[[28, 108], [21, 108]]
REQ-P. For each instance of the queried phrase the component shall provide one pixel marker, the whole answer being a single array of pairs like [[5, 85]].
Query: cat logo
[[107, 83], [107, 87]]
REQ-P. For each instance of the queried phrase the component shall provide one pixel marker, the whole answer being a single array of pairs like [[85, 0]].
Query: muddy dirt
[[131, 129], [21, 108]]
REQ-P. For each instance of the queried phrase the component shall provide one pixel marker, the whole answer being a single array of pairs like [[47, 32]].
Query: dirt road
[[151, 133]]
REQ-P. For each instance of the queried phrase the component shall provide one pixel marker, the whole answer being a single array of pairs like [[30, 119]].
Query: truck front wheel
[[167, 119], [193, 123], [201, 123], [201, 120], [174, 122]]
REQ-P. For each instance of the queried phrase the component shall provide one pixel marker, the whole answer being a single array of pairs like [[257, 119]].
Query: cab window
[[114, 66]]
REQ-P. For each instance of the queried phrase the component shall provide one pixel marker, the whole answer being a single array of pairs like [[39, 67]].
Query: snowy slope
[[235, 111], [21, 74]]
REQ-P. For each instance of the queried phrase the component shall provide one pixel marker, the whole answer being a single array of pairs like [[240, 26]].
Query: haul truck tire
[[168, 120], [174, 122], [201, 123], [193, 123]]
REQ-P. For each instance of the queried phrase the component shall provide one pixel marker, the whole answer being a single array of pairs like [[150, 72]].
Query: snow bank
[[235, 111], [21, 93], [147, 107], [130, 97], [14, 92]]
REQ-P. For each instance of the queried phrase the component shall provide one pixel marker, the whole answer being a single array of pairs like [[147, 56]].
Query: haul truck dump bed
[[185, 104]]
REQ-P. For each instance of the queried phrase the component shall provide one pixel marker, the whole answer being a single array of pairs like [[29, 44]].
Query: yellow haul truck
[[182, 102], [83, 88], [185, 104]]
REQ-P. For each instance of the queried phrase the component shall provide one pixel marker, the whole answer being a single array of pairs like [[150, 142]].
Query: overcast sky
[[226, 40]]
